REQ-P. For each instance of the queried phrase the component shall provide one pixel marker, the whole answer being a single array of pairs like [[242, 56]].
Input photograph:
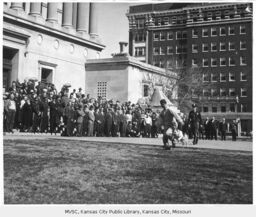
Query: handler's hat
[[194, 105], [162, 101]]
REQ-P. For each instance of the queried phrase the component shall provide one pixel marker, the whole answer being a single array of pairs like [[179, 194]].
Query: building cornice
[[13, 18]]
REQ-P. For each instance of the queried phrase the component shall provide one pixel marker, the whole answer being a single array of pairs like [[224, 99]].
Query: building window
[[223, 108], [222, 46], [231, 30], [243, 92], [214, 47], [243, 61], [194, 62], [222, 31], [205, 63], [214, 109], [223, 92], [213, 32], [231, 76], [179, 49], [170, 50], [205, 47], [170, 35], [232, 107], [178, 35], [243, 107], [205, 77], [174, 20], [161, 64], [243, 76], [232, 61], [102, 89], [194, 33], [205, 109], [140, 51], [140, 23], [206, 92], [156, 51], [242, 30], [169, 64], [145, 90], [184, 34], [161, 51], [156, 36], [162, 36], [223, 61], [231, 46], [242, 45], [194, 48], [214, 77], [223, 77], [205, 32], [213, 62], [214, 92], [232, 92], [166, 20]]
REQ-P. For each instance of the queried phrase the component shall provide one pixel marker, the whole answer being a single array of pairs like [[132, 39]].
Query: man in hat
[[194, 123], [168, 119]]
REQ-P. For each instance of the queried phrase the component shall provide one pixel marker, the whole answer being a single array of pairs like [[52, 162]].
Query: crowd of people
[[37, 107]]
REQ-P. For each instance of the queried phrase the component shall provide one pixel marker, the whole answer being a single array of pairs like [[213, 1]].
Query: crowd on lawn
[[38, 107]]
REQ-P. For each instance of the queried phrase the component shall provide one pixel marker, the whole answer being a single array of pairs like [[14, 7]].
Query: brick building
[[217, 37]]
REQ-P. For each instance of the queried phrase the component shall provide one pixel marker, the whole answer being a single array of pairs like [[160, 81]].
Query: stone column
[[17, 5], [74, 15], [67, 14], [82, 17], [94, 13], [35, 9], [52, 14]]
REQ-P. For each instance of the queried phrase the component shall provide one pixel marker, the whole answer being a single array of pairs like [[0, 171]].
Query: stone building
[[217, 37], [49, 41]]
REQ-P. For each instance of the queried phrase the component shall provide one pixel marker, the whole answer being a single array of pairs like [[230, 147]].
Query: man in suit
[[223, 129], [213, 128], [168, 117], [194, 123]]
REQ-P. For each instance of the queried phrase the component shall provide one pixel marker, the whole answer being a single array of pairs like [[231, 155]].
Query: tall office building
[[216, 37], [49, 41]]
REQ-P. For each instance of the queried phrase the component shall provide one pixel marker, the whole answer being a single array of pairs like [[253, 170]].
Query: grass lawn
[[76, 172]]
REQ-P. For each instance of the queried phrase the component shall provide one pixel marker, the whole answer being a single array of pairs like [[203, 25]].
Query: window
[[159, 20], [140, 23], [222, 46], [205, 47], [205, 77], [213, 32], [174, 20], [243, 61], [140, 51], [184, 34], [194, 48], [231, 76], [140, 37], [214, 109], [161, 51], [223, 92], [242, 30], [232, 92], [194, 62], [102, 89], [194, 33], [231, 46], [222, 61], [156, 36], [170, 50], [170, 35], [243, 76], [205, 32], [214, 77], [162, 36], [205, 63], [222, 31], [205, 109], [243, 92], [178, 35], [213, 62], [243, 107], [232, 107], [232, 61], [223, 108], [206, 92], [161, 64], [156, 50], [242, 45], [214, 47], [166, 20], [231, 30], [179, 49], [223, 77], [145, 90], [169, 64]]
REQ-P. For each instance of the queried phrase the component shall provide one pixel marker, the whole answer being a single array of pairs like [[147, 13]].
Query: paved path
[[227, 145]]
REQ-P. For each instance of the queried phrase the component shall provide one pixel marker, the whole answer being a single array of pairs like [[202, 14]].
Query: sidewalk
[[211, 144]]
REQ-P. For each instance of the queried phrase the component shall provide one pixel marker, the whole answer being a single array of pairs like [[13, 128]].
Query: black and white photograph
[[136, 103]]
